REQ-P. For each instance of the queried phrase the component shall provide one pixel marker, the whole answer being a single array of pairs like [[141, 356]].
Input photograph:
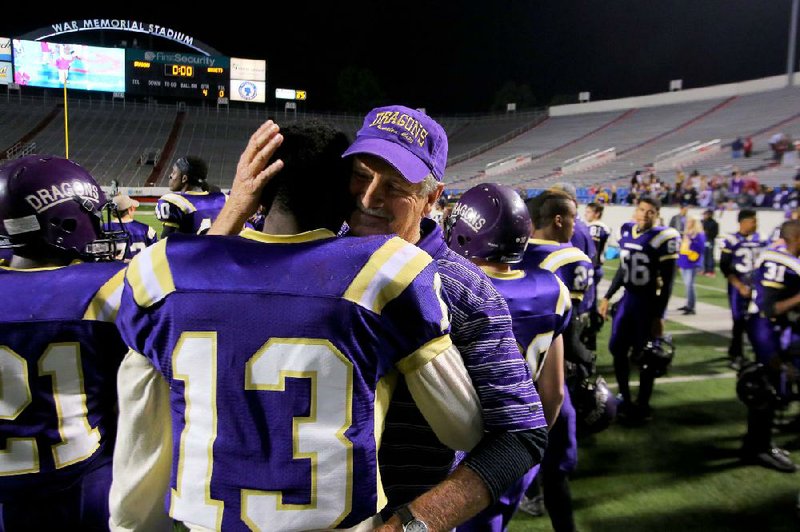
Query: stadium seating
[[113, 139]]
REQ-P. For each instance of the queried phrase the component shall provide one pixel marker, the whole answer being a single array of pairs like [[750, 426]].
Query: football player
[[648, 255], [490, 225], [394, 185], [140, 235], [59, 348], [740, 252], [191, 206], [553, 214], [276, 418], [600, 233], [773, 331]]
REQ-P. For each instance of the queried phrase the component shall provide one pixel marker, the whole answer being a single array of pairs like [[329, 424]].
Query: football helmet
[[52, 203], [489, 222], [595, 405], [656, 356], [755, 388]]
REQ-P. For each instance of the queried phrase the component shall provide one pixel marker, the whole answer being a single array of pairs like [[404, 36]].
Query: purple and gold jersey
[[764, 333], [777, 270], [600, 233], [540, 306], [140, 236], [582, 239], [570, 264], [641, 254], [744, 252], [59, 355], [190, 212], [277, 414]]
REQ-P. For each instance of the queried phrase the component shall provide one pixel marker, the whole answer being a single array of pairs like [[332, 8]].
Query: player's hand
[[602, 308], [745, 290], [252, 175]]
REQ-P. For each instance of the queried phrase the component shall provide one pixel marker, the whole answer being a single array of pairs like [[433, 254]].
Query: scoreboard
[[177, 75], [132, 71]]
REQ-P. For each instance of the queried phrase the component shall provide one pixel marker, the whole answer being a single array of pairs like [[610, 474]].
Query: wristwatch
[[410, 523]]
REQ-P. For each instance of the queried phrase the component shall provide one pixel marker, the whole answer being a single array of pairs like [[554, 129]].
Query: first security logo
[[247, 90]]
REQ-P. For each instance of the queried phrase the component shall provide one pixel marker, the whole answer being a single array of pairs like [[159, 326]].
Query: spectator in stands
[[747, 147], [736, 184], [737, 148], [689, 260], [778, 143], [711, 229], [680, 179], [636, 179], [140, 235], [688, 197], [665, 195], [781, 197], [679, 220], [602, 197], [614, 195], [718, 196], [706, 197], [792, 199]]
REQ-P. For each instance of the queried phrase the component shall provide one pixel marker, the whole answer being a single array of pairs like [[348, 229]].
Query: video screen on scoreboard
[[177, 75], [47, 64], [5, 61]]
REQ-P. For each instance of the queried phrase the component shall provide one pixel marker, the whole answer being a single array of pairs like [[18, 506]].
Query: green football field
[[681, 472]]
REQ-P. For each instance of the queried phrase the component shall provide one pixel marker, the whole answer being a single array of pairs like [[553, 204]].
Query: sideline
[[684, 378]]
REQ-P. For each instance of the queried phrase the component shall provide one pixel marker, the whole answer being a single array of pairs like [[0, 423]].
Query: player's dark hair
[[547, 205], [314, 182], [195, 169], [790, 229], [744, 214], [597, 208], [651, 201]]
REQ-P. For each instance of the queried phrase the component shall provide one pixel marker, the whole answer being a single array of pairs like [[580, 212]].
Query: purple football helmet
[[595, 406], [656, 356], [51, 201], [489, 222]]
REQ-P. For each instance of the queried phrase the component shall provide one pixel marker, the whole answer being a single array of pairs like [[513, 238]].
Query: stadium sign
[[115, 24]]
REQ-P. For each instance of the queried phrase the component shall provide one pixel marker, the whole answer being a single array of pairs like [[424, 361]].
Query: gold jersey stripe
[[180, 202], [564, 302], [105, 303], [424, 354], [562, 257], [386, 274], [149, 275]]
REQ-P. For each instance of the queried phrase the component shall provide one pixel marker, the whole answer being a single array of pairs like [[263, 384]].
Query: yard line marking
[[686, 378]]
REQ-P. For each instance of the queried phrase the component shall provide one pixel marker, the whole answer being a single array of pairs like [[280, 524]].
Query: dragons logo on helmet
[[489, 222], [53, 205]]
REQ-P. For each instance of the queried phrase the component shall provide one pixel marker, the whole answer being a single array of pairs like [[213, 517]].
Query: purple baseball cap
[[411, 141]]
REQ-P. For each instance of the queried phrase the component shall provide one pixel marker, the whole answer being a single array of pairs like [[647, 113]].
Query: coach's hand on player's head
[[253, 172]]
